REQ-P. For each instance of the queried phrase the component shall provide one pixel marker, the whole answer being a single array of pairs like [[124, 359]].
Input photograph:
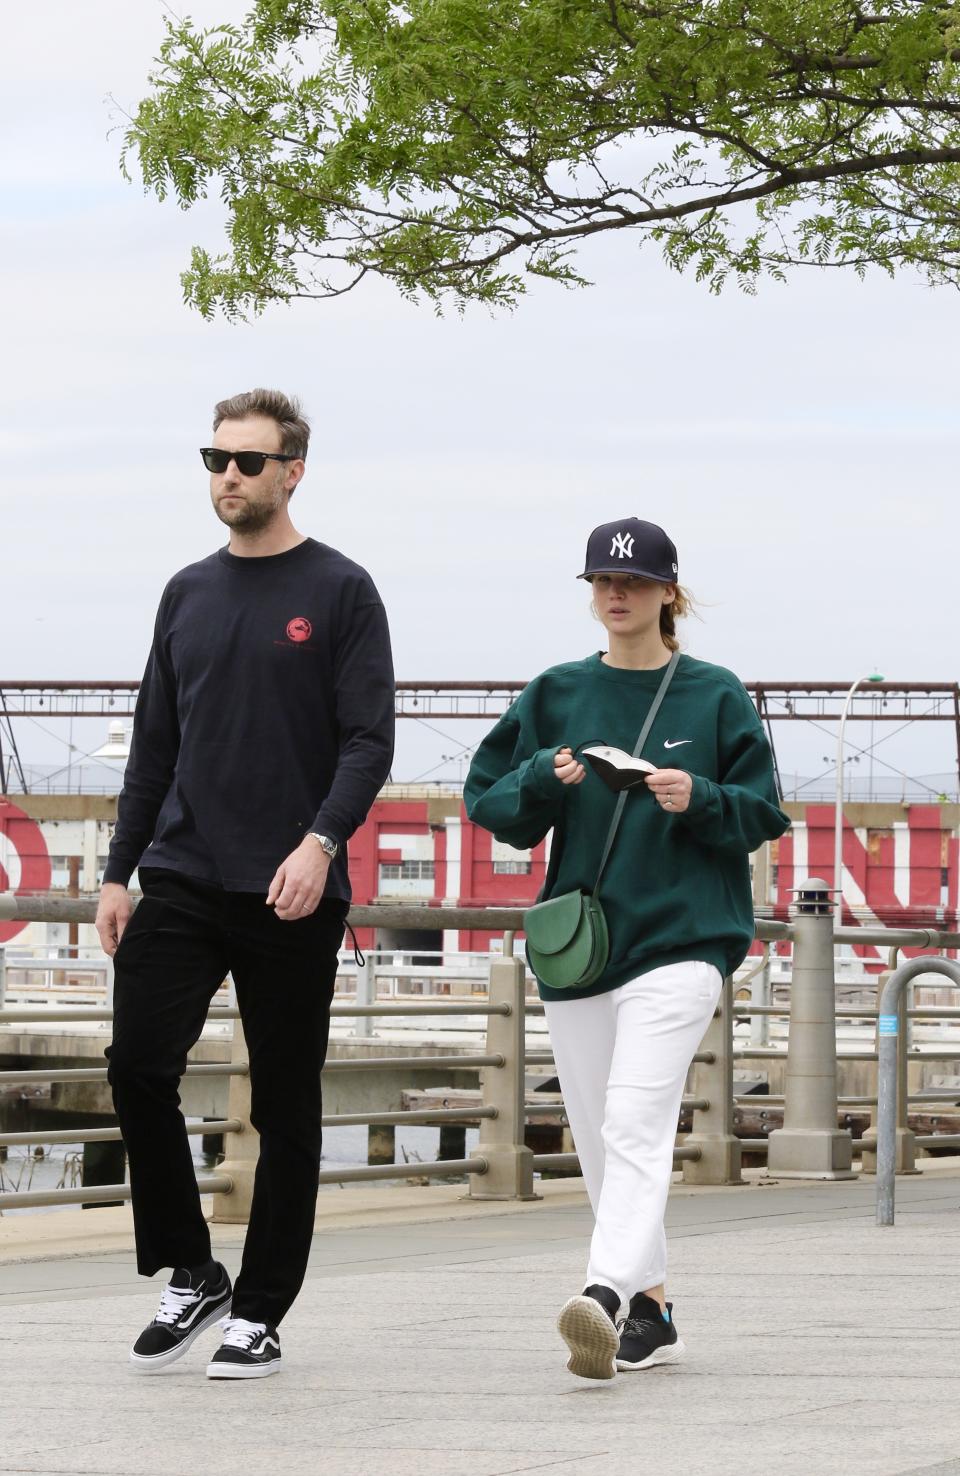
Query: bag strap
[[644, 734]]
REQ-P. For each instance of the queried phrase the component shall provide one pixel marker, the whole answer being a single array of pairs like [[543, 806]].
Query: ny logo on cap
[[622, 546]]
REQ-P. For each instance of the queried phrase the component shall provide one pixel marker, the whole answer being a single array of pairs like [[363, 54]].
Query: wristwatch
[[330, 846]]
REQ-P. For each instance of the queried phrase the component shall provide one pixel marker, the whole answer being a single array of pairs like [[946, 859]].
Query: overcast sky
[[800, 446]]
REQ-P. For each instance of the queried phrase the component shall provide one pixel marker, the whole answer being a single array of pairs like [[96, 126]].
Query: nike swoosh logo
[[679, 744]]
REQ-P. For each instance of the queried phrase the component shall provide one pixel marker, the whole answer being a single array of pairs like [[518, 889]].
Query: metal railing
[[889, 1023], [810, 1143], [503, 1165], [34, 978]]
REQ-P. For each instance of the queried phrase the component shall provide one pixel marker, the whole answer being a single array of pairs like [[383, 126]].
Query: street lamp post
[[838, 814]]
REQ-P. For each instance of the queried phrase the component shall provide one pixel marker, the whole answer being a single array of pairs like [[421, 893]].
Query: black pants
[[177, 948]]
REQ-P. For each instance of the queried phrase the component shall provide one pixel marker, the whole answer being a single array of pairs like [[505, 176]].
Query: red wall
[[24, 836], [870, 864]]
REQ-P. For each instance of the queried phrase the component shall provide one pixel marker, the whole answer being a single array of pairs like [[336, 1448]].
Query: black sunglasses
[[249, 463]]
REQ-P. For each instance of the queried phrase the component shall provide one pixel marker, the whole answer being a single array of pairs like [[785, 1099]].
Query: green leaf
[[462, 148]]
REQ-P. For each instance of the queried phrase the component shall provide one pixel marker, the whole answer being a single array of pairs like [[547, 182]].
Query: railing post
[[244, 1146], [712, 1128], [366, 993], [3, 977], [510, 1171], [810, 1145], [761, 993]]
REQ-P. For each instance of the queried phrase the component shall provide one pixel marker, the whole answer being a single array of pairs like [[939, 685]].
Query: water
[[346, 1147], [23, 1171]]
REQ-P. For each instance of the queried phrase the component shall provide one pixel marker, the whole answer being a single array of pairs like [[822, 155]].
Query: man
[[263, 733]]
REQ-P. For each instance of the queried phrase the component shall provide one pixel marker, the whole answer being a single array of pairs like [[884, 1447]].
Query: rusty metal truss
[[776, 701], [900, 702]]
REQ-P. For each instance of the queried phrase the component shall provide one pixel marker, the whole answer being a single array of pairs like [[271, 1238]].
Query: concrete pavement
[[424, 1342]]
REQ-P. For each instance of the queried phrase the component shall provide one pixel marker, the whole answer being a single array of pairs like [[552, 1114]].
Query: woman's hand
[[672, 789], [566, 767]]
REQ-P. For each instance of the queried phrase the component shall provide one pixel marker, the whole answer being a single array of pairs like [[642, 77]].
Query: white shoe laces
[[238, 1333], [174, 1301]]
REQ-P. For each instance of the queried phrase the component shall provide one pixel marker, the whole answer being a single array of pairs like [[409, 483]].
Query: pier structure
[[424, 1338]]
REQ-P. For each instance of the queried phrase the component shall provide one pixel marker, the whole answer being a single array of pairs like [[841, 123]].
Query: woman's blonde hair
[[682, 605]]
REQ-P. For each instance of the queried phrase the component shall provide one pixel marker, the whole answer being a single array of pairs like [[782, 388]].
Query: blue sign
[[888, 1024]]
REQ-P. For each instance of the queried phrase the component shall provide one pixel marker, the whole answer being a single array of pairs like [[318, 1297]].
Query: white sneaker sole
[[144, 1365], [591, 1337], [241, 1371], [673, 1353]]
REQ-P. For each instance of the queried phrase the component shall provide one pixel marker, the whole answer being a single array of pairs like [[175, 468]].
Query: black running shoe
[[186, 1309], [586, 1324], [647, 1338], [250, 1350]]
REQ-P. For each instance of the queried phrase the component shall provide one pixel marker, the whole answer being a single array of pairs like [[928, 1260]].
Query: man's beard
[[248, 516]]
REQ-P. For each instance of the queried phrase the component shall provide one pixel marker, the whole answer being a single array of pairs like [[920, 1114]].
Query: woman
[[676, 897]]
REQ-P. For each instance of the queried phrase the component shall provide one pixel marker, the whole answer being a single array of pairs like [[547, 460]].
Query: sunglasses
[[249, 463]]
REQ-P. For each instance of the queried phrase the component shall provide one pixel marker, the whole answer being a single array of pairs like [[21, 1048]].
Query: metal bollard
[[510, 1162], [720, 1154], [889, 1035], [810, 1145], [906, 1156]]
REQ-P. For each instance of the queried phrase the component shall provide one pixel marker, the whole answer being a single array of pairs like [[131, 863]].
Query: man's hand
[[298, 885], [113, 914], [672, 789]]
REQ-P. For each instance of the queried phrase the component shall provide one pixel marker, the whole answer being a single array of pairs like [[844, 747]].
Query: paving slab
[[424, 1342]]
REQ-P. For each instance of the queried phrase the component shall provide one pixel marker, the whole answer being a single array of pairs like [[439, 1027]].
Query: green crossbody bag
[[568, 943]]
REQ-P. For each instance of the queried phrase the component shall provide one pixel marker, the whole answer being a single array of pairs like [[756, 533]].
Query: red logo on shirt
[[300, 629]]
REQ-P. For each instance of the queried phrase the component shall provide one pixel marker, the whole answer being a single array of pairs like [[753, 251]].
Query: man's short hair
[[275, 405]]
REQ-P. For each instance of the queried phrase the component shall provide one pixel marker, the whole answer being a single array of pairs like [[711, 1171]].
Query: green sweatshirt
[[677, 886]]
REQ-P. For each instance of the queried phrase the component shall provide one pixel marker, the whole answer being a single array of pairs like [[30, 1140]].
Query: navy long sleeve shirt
[[266, 711]]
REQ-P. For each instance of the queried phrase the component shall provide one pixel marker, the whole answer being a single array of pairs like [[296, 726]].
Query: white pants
[[622, 1059]]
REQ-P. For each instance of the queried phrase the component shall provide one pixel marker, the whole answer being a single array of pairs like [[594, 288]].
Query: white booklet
[[618, 769]]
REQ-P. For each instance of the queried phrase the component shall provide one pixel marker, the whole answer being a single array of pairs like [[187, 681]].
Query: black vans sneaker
[[647, 1338], [187, 1308], [586, 1324], [250, 1350]]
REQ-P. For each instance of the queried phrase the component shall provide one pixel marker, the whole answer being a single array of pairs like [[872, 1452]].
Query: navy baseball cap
[[631, 547]]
